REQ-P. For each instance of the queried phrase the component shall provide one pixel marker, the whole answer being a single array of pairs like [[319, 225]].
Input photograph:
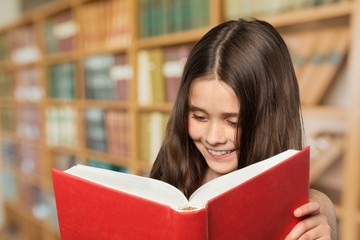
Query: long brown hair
[[251, 57]]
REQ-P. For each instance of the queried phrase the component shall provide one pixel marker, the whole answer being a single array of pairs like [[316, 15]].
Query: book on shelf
[[121, 73], [174, 61], [112, 31], [29, 122], [117, 127], [301, 46], [99, 84], [254, 202], [10, 184], [156, 75], [4, 47], [24, 45], [9, 153], [62, 81], [152, 132], [28, 158], [200, 13], [107, 77], [28, 84], [160, 73], [144, 78], [61, 127], [95, 129], [7, 119], [234, 9], [60, 32], [159, 17], [324, 64], [317, 58], [6, 84]]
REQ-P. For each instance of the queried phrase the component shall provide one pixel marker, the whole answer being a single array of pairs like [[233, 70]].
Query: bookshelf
[[55, 112]]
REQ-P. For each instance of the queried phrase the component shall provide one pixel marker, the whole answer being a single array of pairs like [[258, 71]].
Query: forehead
[[211, 93]]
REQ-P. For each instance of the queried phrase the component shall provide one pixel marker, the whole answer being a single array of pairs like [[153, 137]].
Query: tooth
[[218, 153]]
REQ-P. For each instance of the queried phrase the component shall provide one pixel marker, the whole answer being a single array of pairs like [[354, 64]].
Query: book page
[[143, 187], [226, 182]]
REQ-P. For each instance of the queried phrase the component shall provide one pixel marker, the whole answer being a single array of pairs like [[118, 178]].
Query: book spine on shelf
[[174, 61], [61, 126], [95, 129], [152, 132], [28, 124], [62, 81], [6, 84]]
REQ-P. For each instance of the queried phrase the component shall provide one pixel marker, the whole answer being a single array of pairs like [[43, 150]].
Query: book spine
[[191, 225], [96, 135], [4, 47], [29, 123], [174, 61], [61, 81], [27, 85], [117, 132]]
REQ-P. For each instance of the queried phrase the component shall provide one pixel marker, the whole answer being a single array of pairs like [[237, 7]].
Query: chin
[[221, 170]]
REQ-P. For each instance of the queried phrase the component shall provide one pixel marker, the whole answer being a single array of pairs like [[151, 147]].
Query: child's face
[[213, 119]]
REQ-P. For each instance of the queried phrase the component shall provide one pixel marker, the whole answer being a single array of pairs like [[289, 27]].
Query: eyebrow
[[193, 108]]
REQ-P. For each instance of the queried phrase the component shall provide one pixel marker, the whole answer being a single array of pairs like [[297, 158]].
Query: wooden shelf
[[6, 65], [106, 104], [107, 157], [313, 14], [330, 118], [62, 149], [22, 211], [7, 102], [161, 107], [105, 50], [61, 57], [333, 112]]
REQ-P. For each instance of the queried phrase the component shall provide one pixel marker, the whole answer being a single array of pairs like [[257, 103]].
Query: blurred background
[[93, 82]]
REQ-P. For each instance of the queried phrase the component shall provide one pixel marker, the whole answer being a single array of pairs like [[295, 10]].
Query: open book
[[251, 202]]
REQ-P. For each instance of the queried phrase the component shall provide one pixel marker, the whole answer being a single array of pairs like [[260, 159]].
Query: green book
[[62, 81]]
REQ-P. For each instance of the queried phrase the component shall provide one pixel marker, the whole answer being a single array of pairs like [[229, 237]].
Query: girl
[[238, 103]]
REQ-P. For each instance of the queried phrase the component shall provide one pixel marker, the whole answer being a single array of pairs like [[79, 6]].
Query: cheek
[[194, 129]]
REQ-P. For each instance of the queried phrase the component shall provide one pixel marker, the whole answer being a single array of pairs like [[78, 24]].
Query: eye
[[232, 123], [198, 117]]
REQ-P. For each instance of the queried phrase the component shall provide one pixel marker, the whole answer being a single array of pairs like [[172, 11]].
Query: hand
[[314, 225]]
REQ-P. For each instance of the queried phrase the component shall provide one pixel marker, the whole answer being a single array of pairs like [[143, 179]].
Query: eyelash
[[199, 118], [202, 119], [232, 124]]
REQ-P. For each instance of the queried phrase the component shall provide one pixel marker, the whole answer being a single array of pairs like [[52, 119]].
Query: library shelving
[[93, 81]]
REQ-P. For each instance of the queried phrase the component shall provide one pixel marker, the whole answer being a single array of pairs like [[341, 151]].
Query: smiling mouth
[[219, 153]]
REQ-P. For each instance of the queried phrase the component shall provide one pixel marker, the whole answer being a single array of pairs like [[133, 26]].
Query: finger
[[310, 228], [311, 208]]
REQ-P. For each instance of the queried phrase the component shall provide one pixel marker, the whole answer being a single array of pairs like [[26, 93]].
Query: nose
[[215, 134]]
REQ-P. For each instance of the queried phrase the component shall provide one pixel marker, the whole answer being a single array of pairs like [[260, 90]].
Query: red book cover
[[258, 204]]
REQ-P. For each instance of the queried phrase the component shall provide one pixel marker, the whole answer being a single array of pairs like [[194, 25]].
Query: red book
[[256, 202]]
